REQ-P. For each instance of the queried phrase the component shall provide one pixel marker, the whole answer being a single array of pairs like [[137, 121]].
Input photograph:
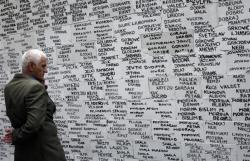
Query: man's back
[[20, 93], [30, 111]]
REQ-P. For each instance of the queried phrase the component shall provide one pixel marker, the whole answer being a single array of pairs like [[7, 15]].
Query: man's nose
[[45, 70]]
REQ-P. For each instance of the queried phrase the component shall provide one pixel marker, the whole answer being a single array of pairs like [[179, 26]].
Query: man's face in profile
[[40, 69]]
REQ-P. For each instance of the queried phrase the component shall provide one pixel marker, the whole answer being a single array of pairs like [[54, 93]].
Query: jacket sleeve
[[35, 108]]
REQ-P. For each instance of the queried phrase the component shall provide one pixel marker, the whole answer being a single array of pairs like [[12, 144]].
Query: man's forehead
[[43, 59]]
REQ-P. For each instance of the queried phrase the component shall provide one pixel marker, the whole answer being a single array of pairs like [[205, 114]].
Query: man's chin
[[40, 79]]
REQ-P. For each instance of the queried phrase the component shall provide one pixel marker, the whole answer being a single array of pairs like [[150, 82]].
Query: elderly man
[[30, 111]]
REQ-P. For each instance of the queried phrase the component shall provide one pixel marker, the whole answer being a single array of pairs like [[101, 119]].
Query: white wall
[[137, 80]]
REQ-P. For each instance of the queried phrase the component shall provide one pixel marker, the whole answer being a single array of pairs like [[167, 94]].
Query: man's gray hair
[[32, 55]]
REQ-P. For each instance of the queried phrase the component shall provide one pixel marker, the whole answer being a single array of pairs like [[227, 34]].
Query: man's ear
[[31, 66]]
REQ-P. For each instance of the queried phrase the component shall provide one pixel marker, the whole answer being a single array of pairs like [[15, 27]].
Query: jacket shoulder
[[23, 84]]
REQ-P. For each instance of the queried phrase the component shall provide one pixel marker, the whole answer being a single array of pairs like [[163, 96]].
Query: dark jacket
[[30, 111]]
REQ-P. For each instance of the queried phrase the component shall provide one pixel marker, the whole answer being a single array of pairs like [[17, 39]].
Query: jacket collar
[[21, 75]]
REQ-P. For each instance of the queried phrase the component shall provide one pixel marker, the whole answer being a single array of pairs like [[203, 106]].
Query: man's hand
[[8, 136]]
